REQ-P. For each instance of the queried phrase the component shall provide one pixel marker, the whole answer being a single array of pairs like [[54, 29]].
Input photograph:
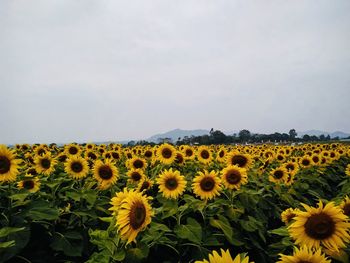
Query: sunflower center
[[188, 152], [303, 261], [347, 210], [105, 172], [115, 155], [5, 164], [205, 154], [137, 215], [239, 160], [28, 184], [135, 176], [290, 167], [73, 150], [305, 162], [179, 158], [92, 156], [77, 167], [315, 159], [207, 184], [278, 174], [138, 164], [145, 185], [280, 157], [41, 152], [148, 154], [221, 154], [233, 177], [45, 163], [166, 153], [319, 226], [171, 184]]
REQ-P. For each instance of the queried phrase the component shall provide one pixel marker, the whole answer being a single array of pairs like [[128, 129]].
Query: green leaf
[[223, 224], [192, 231], [282, 231], [7, 244], [5, 231], [69, 243], [137, 254], [41, 210]]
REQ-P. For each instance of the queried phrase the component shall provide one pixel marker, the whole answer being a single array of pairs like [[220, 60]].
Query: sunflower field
[[164, 203]]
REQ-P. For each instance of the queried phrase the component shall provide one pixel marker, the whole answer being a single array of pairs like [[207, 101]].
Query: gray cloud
[[107, 70]]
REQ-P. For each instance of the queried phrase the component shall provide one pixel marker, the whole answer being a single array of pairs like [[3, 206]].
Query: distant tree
[[306, 138], [328, 137], [131, 143], [244, 135], [217, 137], [292, 134], [322, 137]]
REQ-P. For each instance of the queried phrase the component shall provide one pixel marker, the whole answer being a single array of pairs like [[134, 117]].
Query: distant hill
[[318, 133], [175, 134]]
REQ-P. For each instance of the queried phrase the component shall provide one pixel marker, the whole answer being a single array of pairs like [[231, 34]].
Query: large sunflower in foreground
[[324, 225], [206, 185], [32, 185], [240, 159], [166, 153], [105, 173], [134, 214], [77, 167], [225, 257], [171, 183], [305, 254], [233, 177], [8, 165], [45, 164]]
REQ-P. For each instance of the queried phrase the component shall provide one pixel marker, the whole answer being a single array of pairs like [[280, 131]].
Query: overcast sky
[[84, 70]]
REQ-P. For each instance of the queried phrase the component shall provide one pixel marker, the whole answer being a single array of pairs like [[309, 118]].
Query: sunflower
[[136, 163], [91, 155], [221, 155], [204, 154], [225, 257], [347, 170], [206, 185], [117, 200], [324, 225], [40, 150], [32, 185], [179, 158], [105, 173], [171, 183], [278, 175], [134, 214], [45, 164], [8, 165], [135, 175], [239, 159], [305, 254], [148, 153], [291, 167], [188, 152], [233, 177], [288, 215], [345, 206], [72, 149], [316, 159], [166, 153], [76, 166], [144, 185], [305, 162]]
